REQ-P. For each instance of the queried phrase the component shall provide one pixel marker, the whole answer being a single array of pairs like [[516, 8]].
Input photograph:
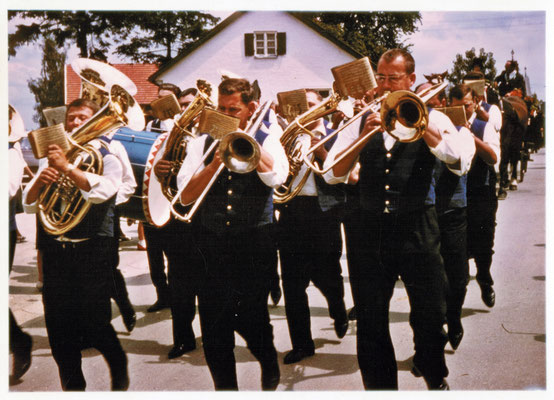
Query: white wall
[[307, 63]]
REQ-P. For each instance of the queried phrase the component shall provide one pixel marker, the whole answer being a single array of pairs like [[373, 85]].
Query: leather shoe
[[275, 294], [121, 384], [341, 327], [129, 320], [157, 306], [487, 295], [179, 349], [296, 355], [441, 384], [271, 377], [352, 316], [455, 337], [22, 357]]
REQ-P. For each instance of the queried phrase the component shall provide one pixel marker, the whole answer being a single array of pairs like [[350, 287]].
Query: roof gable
[[138, 73], [234, 17]]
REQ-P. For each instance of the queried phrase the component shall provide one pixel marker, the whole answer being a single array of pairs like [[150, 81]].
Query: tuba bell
[[61, 204]]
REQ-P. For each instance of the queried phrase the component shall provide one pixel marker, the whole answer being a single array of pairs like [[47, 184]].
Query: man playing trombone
[[232, 239], [399, 233]]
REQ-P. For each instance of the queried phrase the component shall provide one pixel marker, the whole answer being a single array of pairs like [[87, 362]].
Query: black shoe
[[455, 336], [275, 294], [22, 357], [179, 349], [341, 327], [123, 238], [487, 295], [296, 355], [352, 316], [502, 194], [271, 377], [157, 306], [121, 384], [440, 384], [129, 320]]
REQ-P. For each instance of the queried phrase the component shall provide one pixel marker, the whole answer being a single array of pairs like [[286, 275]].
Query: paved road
[[503, 348]]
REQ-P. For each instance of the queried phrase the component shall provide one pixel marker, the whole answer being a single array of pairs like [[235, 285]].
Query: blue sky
[[441, 36]]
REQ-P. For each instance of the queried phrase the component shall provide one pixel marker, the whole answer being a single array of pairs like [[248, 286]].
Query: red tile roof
[[138, 73]]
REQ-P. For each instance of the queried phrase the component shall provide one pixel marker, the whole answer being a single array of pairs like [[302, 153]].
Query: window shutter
[[281, 43], [248, 44]]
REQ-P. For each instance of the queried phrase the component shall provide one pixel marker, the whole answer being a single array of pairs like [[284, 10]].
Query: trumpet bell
[[404, 116], [239, 152]]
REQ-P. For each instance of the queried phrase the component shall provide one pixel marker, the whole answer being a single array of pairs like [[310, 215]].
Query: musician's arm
[[274, 166]]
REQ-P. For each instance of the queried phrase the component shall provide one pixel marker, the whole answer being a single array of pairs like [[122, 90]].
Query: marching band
[[413, 185]]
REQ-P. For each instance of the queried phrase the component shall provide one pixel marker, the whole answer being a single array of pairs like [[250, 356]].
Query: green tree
[[369, 33], [91, 31], [163, 34], [464, 64], [48, 89]]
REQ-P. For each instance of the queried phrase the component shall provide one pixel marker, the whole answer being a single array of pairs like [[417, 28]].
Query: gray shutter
[[281, 43], [248, 44]]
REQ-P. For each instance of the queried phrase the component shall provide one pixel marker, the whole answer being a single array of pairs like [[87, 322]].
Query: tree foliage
[[369, 33], [163, 34], [138, 35], [464, 64], [48, 89]]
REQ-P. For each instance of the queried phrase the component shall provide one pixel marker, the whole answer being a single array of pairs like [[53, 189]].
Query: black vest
[[480, 174], [329, 196], [236, 202], [399, 180]]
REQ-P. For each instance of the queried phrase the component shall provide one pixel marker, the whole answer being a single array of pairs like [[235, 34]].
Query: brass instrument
[[351, 79], [403, 115], [61, 204], [239, 152], [176, 145]]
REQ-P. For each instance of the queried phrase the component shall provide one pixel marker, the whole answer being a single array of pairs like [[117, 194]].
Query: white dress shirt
[[453, 148], [128, 182], [102, 187], [16, 167]]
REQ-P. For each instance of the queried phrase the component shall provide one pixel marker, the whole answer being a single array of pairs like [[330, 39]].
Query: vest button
[[228, 223], [387, 171], [230, 177], [387, 187], [389, 155], [230, 192], [229, 207], [387, 202]]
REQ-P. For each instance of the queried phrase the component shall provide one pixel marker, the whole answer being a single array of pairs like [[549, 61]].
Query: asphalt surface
[[504, 348]]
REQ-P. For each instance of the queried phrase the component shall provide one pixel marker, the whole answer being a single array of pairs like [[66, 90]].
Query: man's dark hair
[[390, 55], [78, 103], [169, 86], [460, 91], [319, 96], [188, 91], [441, 94], [232, 85]]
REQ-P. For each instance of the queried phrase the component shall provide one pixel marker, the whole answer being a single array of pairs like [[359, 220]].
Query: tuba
[[61, 204], [176, 146]]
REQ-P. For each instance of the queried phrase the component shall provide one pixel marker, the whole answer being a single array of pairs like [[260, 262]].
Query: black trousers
[[482, 205], [156, 243], [389, 246], [185, 277], [18, 338], [234, 298], [77, 311], [310, 248], [118, 288], [453, 230]]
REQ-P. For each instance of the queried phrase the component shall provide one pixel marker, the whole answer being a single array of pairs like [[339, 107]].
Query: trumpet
[[404, 116], [239, 152]]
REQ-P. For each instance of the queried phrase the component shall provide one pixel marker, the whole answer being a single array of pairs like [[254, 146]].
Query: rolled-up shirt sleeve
[[272, 144], [128, 182], [344, 140], [103, 187], [192, 163], [492, 138], [455, 148]]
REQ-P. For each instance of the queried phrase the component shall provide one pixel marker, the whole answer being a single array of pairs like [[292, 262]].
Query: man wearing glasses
[[400, 232]]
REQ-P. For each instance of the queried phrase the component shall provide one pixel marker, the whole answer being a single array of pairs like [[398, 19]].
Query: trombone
[[239, 152], [403, 115]]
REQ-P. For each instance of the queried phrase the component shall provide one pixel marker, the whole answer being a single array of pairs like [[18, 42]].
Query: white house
[[282, 50]]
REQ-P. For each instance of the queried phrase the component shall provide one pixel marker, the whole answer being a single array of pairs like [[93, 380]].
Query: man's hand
[[48, 176], [321, 152], [162, 168], [57, 159], [372, 121]]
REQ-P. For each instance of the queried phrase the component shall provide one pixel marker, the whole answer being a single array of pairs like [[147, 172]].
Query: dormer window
[[265, 44]]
